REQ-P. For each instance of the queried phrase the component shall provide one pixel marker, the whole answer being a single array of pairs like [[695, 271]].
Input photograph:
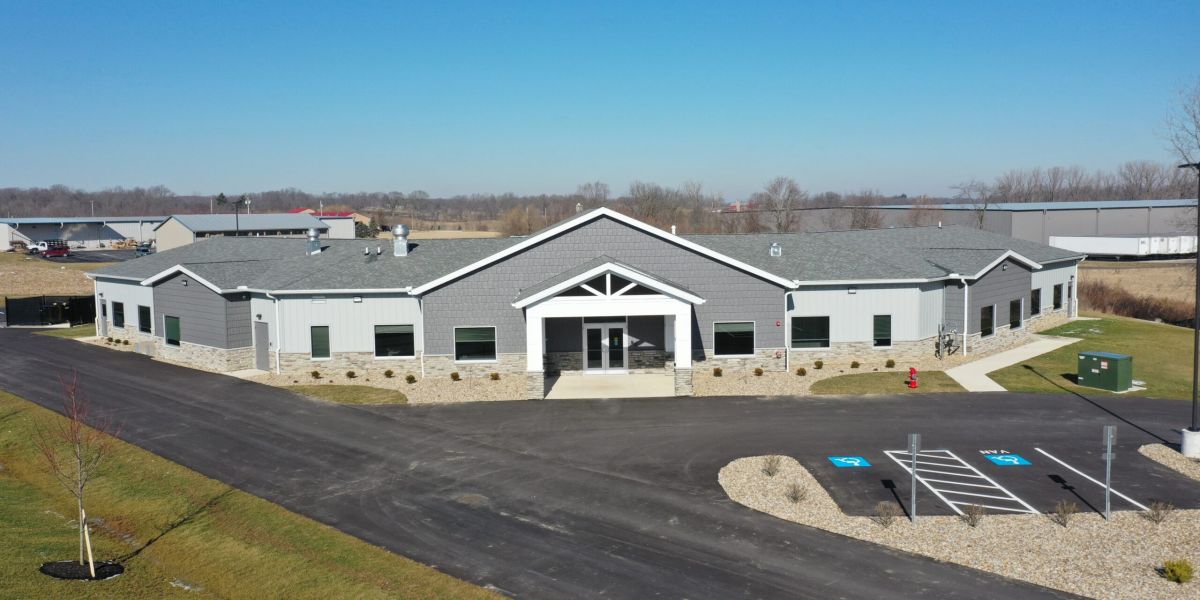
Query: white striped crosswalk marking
[[948, 484]]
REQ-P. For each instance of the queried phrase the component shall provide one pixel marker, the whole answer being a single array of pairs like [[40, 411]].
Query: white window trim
[[310, 349], [818, 348], [891, 332], [475, 361], [994, 327], [754, 344], [375, 348]]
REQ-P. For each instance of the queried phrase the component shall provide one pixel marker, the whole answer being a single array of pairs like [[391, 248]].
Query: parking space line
[[1008, 508], [919, 469], [958, 493], [1089, 478], [979, 485], [925, 462], [904, 459]]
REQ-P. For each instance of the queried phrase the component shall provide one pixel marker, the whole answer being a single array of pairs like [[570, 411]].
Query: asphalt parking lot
[[94, 256]]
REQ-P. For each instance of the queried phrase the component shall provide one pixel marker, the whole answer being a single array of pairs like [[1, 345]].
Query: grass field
[[886, 383], [351, 394], [80, 331], [1161, 358], [24, 275], [1173, 279], [181, 535]]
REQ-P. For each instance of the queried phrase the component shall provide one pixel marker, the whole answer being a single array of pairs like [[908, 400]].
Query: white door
[[604, 348]]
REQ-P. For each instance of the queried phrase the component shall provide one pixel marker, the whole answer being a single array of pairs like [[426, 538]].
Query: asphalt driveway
[[570, 499]]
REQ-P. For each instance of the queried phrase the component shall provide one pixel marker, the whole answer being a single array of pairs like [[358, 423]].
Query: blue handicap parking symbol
[[1008, 460], [844, 462]]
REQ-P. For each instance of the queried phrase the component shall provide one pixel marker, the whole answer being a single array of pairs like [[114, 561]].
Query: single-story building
[[180, 230], [357, 216], [599, 293], [91, 232]]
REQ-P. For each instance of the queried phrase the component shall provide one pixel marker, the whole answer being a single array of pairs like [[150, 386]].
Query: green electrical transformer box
[[1105, 370]]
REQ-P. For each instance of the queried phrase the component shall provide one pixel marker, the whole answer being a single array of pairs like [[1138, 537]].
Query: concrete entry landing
[[638, 385]]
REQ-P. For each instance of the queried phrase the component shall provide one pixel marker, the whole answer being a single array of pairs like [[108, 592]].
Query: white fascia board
[[592, 216], [94, 277], [1009, 254], [619, 270], [1069, 258], [403, 290], [802, 283], [180, 269]]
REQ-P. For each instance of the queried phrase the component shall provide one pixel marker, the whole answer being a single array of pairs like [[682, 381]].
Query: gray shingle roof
[[260, 222]]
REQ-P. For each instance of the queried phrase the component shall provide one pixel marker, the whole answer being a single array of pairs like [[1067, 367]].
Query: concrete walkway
[[973, 375], [639, 385]]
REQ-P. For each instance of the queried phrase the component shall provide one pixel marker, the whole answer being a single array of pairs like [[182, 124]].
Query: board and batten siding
[[932, 303], [998, 287], [1051, 275], [852, 315], [485, 298], [132, 293], [351, 324], [953, 294], [206, 318]]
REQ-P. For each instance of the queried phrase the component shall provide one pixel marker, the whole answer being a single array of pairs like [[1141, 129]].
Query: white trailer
[[1127, 246]]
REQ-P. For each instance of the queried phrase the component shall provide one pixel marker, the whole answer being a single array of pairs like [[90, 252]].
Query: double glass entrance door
[[604, 348]]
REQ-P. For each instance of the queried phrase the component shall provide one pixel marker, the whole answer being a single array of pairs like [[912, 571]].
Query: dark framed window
[[733, 339], [810, 332], [118, 314], [395, 341], [987, 321], [474, 343], [882, 325], [171, 330], [319, 336], [1057, 296], [1014, 314], [1035, 302], [144, 319]]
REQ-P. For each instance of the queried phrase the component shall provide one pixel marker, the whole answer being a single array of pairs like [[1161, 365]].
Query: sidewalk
[[973, 375]]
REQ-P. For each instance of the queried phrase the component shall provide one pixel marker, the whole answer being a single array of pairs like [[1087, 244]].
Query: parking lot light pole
[[1190, 446]]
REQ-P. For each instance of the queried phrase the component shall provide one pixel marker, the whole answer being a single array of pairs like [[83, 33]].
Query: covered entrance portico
[[608, 319]]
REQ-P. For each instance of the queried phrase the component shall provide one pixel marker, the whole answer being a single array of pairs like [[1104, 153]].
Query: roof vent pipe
[[366, 250], [314, 243], [776, 249], [400, 246], [939, 224], [672, 230], [578, 207], [378, 250]]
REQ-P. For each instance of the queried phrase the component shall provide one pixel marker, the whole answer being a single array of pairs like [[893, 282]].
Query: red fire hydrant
[[912, 378]]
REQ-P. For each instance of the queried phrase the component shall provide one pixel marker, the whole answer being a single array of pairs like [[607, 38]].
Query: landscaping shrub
[[351, 375], [1100, 296], [972, 514], [455, 377], [410, 378], [717, 372], [854, 364], [802, 371], [796, 493], [1180, 571], [1064, 510], [891, 364], [758, 371], [886, 513], [818, 364], [495, 376], [771, 465], [126, 342], [316, 374], [108, 339], [389, 373], [1159, 512]]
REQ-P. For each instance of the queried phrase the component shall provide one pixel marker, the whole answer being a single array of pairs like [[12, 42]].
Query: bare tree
[[923, 213], [977, 194], [1183, 124], [594, 192], [73, 452], [779, 198]]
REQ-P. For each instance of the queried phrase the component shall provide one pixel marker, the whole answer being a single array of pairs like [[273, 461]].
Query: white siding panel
[[262, 310], [1046, 278], [351, 324], [131, 293], [851, 314], [932, 303]]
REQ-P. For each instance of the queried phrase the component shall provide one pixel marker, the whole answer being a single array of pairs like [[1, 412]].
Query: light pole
[[1191, 436]]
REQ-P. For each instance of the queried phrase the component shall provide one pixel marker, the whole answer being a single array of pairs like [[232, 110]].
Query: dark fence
[[50, 310]]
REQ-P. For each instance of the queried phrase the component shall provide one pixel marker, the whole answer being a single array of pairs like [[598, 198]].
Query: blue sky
[[527, 97]]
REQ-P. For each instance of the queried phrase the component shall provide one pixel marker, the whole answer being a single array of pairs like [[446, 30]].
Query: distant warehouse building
[[180, 230], [89, 232], [1098, 228]]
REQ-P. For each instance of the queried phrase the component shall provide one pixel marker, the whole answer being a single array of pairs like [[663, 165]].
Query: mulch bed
[[69, 569]]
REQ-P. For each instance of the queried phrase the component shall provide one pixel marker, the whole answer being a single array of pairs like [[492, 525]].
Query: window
[[1035, 302], [118, 314], [1057, 296], [319, 335], [171, 325], [732, 339], [883, 330], [144, 319], [987, 321], [1014, 314], [394, 341], [810, 332], [474, 343]]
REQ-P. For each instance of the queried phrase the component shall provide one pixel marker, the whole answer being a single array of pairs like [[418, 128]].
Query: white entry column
[[683, 349], [535, 378]]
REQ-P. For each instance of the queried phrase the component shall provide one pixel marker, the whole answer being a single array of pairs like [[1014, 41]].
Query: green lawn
[[351, 394], [1161, 358], [80, 331], [886, 383], [198, 538]]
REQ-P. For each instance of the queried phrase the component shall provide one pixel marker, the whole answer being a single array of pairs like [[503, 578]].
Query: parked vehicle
[[54, 249], [42, 246], [143, 249]]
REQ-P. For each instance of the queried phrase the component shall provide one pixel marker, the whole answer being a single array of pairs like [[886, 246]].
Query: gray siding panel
[[202, 312], [238, 328], [954, 305], [1000, 286], [485, 297]]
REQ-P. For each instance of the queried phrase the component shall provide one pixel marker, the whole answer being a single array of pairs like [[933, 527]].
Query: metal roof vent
[[314, 243], [776, 249], [400, 246]]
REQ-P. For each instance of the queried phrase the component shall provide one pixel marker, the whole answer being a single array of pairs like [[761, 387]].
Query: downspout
[[421, 311], [278, 332], [787, 346], [966, 303]]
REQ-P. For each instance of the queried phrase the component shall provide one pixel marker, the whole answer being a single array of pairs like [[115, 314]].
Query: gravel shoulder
[[425, 391], [1116, 560]]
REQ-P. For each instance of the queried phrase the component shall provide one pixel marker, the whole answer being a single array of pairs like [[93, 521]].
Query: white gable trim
[[609, 267], [1032, 264], [588, 217], [183, 270]]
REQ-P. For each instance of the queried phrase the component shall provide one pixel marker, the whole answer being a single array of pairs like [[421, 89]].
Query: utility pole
[[1191, 436]]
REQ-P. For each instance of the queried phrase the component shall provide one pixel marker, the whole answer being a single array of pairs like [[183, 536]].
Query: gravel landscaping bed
[[425, 391], [1172, 459], [1091, 557]]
